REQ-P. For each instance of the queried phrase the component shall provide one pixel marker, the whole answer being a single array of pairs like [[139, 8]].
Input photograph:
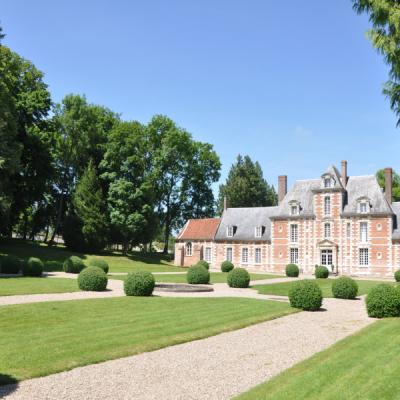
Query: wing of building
[[347, 223]]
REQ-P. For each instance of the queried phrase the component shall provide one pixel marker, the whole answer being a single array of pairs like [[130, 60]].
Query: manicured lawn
[[44, 338], [362, 366], [216, 277], [282, 289], [26, 285], [54, 256]]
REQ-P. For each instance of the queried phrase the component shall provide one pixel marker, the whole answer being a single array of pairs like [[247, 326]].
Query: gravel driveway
[[218, 367]]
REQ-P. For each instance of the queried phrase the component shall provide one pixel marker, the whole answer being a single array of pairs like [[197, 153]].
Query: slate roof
[[245, 221], [332, 170], [396, 222], [199, 229]]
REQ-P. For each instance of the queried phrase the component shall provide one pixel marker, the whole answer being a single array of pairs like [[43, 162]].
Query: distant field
[[282, 289], [54, 256]]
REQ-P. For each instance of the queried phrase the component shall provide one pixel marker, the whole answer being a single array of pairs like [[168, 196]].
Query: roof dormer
[[328, 181], [294, 207], [363, 205]]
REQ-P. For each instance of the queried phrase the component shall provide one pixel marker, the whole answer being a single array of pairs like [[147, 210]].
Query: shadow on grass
[[8, 385]]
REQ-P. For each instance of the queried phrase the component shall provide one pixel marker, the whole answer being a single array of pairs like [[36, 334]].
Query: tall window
[[229, 231], [188, 248], [327, 230], [294, 256], [294, 210], [294, 233], [327, 205], [229, 254], [363, 207], [207, 254], [364, 257], [258, 232], [257, 255], [245, 255], [348, 230], [363, 232]]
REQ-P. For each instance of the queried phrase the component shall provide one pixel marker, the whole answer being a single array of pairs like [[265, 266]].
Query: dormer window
[[363, 205], [258, 231], [294, 207], [229, 231], [327, 182]]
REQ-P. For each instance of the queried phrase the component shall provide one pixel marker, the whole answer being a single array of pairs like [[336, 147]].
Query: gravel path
[[218, 367]]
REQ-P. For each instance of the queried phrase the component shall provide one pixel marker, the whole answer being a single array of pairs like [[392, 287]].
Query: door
[[327, 258]]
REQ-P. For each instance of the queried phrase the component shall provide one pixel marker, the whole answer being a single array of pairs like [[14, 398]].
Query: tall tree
[[90, 207], [385, 36], [380, 176], [246, 186]]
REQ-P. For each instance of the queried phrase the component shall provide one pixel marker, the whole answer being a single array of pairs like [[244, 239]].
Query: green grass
[[215, 277], [41, 339], [26, 285], [54, 256], [362, 366], [282, 289]]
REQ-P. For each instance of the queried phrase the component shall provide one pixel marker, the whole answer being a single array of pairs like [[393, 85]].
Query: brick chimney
[[282, 187], [225, 203], [344, 173], [388, 184]]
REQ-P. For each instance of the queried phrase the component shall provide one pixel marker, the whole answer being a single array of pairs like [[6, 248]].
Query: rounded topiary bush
[[344, 288], [321, 272], [139, 284], [92, 279], [306, 295], [33, 267], [10, 265], [197, 275], [204, 264], [227, 266], [397, 275], [292, 270], [383, 301], [99, 263], [73, 265], [238, 278]]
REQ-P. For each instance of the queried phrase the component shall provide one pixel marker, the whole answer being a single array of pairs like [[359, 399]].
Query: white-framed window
[[327, 230], [327, 182], [327, 205], [363, 232], [363, 257], [245, 255], [348, 230], [229, 231], [364, 207], [258, 231], [257, 255], [294, 210], [294, 255], [294, 233], [228, 255], [188, 248], [207, 254]]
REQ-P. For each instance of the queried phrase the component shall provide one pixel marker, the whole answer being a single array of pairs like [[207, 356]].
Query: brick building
[[346, 223]]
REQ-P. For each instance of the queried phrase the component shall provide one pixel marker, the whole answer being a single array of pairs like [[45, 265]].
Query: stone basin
[[182, 287]]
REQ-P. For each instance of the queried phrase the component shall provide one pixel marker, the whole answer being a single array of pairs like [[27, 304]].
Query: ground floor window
[[294, 256], [188, 248], [326, 257], [364, 257], [245, 255], [257, 256], [228, 256], [207, 254]]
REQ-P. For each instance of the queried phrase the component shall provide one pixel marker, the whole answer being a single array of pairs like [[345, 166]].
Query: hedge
[[344, 288], [10, 265], [203, 263], [238, 278], [197, 275], [397, 275], [73, 265], [306, 295], [227, 266], [33, 267], [292, 270], [92, 279], [99, 263], [321, 272], [139, 283], [383, 301]]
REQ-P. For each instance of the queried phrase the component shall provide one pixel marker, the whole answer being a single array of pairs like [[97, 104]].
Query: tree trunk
[[166, 235], [25, 232], [58, 220], [47, 234]]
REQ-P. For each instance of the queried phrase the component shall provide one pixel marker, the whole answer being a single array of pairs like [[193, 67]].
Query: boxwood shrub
[[321, 272], [92, 279], [73, 265], [344, 288], [227, 266], [99, 263], [32, 267], [383, 301], [238, 278], [10, 265], [292, 270], [197, 274], [204, 264], [306, 295], [397, 275], [139, 283]]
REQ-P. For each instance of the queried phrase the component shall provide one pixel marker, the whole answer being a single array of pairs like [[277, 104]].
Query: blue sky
[[295, 85]]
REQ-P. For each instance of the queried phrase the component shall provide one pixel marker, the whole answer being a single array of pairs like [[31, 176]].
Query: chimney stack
[[282, 187], [344, 173], [388, 184], [225, 203]]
